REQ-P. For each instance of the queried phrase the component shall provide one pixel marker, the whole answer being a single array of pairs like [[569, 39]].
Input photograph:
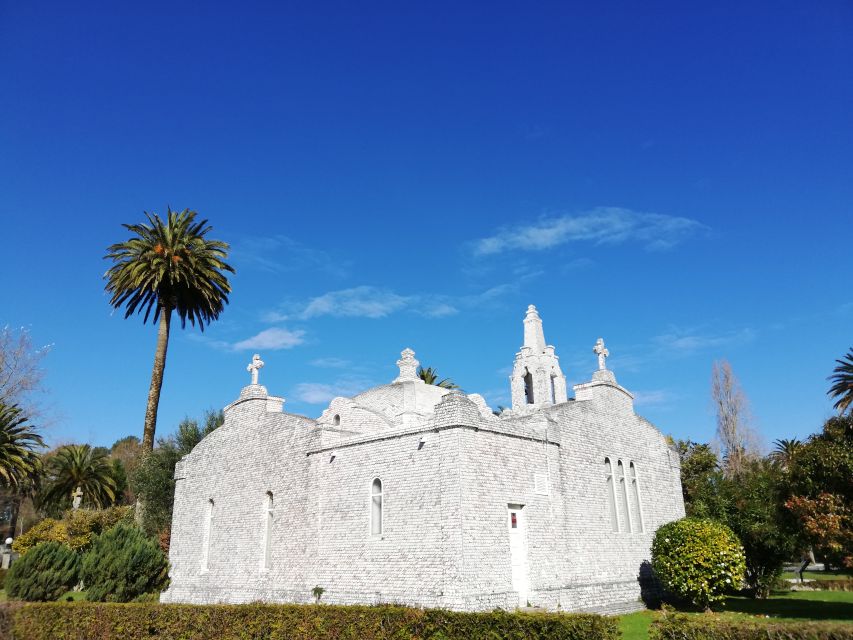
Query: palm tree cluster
[[168, 266], [19, 462], [842, 387], [79, 467], [430, 376]]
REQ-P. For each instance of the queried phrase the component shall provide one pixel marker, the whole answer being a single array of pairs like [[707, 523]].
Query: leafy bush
[[76, 530], [123, 564], [698, 560], [45, 573], [84, 524], [48, 530], [680, 627], [95, 621]]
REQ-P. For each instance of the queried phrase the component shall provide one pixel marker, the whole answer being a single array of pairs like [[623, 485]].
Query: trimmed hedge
[[831, 585], [712, 627], [105, 621]]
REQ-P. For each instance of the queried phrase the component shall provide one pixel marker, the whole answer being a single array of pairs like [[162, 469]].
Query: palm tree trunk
[[156, 380]]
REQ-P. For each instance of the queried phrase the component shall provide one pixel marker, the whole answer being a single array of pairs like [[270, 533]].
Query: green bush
[[45, 573], [680, 627], [96, 621], [123, 564], [698, 560]]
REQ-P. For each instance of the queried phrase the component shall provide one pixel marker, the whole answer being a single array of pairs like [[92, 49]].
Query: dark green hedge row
[[102, 621], [711, 627]]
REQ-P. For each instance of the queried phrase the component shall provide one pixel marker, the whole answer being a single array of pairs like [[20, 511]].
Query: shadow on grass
[[788, 606]]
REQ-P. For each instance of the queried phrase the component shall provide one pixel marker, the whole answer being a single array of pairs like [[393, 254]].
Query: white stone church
[[409, 493]]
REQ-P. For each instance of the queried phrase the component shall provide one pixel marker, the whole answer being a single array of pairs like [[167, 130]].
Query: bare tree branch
[[20, 366]]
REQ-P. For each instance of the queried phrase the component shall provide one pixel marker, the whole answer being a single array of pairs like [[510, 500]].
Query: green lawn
[[793, 605]]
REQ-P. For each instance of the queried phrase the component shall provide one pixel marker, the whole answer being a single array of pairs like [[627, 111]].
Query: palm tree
[[168, 266], [784, 450], [430, 376], [842, 377], [19, 463], [80, 467]]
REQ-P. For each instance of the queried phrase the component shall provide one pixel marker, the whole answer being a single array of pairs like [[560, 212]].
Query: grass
[[836, 606], [819, 575]]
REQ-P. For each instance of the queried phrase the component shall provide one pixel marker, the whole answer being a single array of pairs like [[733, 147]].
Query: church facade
[[414, 494]]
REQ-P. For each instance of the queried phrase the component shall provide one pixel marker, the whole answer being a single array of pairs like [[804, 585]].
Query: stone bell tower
[[536, 380]]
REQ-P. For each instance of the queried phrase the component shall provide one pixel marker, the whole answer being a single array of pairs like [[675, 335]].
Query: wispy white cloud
[[361, 302], [323, 392], [272, 339], [331, 363], [376, 302], [603, 225], [658, 398], [281, 254], [684, 342]]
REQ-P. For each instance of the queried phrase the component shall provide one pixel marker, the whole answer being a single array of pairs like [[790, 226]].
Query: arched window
[[611, 495], [207, 533], [336, 420], [553, 389], [528, 386], [635, 496], [376, 507], [268, 520], [623, 492]]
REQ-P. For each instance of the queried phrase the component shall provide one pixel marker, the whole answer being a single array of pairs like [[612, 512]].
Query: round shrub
[[46, 572], [698, 560], [123, 564]]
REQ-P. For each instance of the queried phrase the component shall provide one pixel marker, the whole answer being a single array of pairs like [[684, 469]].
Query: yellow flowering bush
[[76, 530], [698, 560]]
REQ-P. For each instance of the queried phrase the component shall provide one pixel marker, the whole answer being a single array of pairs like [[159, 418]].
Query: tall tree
[[168, 266], [820, 486], [79, 466], [430, 376], [842, 387], [736, 438]]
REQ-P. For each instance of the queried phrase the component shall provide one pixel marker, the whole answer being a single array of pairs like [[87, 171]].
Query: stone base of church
[[613, 598]]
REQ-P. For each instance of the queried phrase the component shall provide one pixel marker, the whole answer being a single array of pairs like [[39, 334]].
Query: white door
[[518, 551]]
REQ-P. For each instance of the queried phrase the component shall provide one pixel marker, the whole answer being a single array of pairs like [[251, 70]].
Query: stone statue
[[77, 498], [602, 353], [253, 368]]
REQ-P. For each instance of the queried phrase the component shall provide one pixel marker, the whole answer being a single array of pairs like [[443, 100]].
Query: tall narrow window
[[376, 508], [611, 495], [208, 532], [553, 390], [623, 492], [268, 518], [635, 497], [528, 386]]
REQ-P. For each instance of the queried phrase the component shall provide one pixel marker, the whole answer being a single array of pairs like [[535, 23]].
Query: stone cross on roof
[[254, 367], [602, 353], [408, 366]]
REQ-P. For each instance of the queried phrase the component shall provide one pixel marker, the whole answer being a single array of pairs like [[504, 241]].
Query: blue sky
[[674, 177]]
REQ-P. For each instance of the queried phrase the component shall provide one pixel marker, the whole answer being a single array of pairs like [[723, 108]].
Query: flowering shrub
[[698, 560], [76, 530]]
